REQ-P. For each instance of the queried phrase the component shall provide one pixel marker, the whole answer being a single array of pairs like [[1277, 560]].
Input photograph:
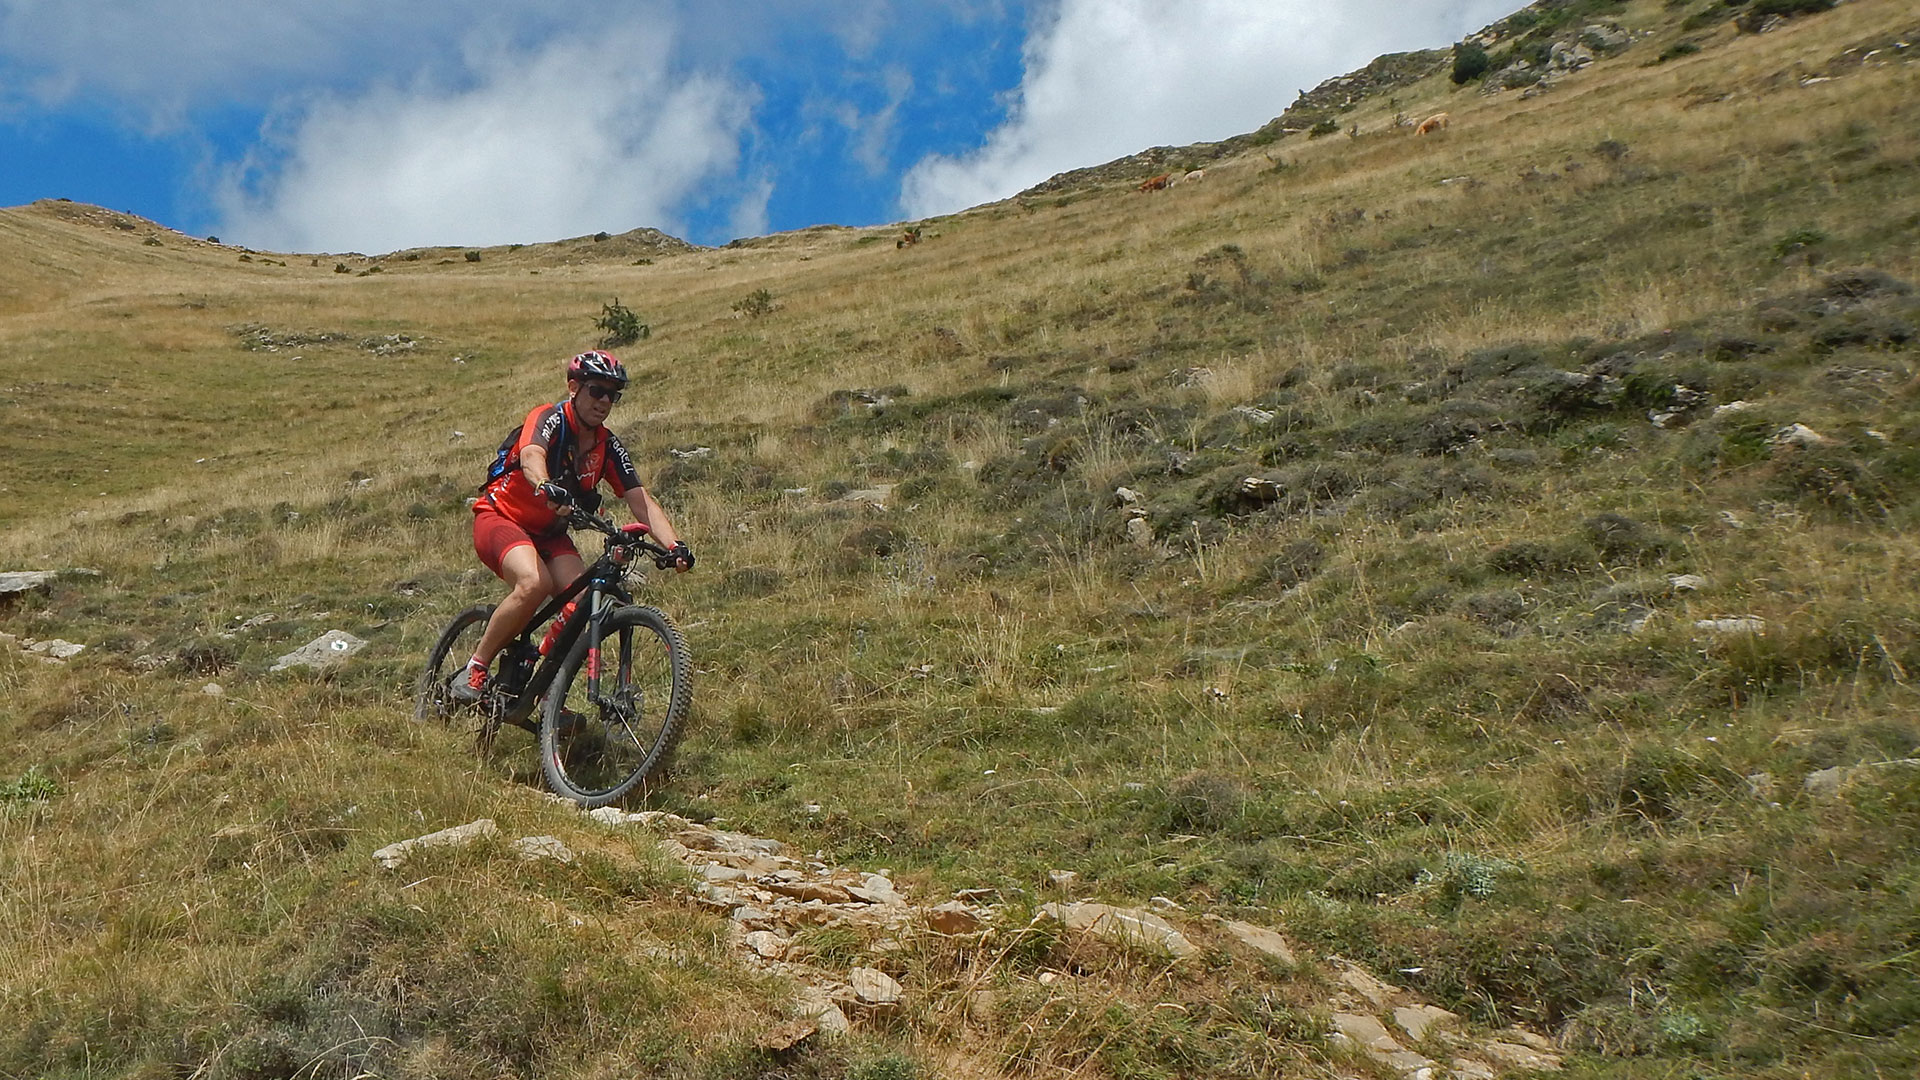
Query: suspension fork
[[595, 622]]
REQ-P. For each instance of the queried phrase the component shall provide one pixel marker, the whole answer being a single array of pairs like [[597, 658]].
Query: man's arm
[[648, 512], [533, 462]]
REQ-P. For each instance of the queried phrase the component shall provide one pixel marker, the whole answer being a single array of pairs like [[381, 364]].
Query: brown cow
[[1433, 123], [1157, 183]]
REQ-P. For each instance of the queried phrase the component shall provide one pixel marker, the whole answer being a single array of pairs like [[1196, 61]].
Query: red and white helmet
[[594, 364]]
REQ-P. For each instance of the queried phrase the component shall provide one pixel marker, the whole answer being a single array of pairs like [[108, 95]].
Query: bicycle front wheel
[[597, 747]]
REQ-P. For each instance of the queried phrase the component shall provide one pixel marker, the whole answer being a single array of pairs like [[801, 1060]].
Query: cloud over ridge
[[552, 143], [1107, 78]]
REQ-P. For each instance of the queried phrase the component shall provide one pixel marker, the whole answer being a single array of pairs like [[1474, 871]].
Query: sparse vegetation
[[1465, 579]]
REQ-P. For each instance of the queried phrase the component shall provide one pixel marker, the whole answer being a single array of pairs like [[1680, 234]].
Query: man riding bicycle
[[552, 462]]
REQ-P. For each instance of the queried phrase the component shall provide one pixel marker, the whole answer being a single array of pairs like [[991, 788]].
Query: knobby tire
[[597, 753]]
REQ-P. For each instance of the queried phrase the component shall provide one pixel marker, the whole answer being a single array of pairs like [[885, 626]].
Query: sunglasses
[[601, 393]]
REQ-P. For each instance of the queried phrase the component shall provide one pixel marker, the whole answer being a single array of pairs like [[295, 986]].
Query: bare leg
[[528, 584], [564, 569]]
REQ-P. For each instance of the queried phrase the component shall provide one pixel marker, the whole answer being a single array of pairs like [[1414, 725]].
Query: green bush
[[1797, 241], [33, 785], [1763, 8], [621, 325], [1470, 61], [755, 304]]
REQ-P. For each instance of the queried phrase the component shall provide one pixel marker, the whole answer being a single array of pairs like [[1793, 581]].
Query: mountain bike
[[610, 679]]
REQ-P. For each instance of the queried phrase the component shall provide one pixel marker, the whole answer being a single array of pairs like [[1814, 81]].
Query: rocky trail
[[770, 896]]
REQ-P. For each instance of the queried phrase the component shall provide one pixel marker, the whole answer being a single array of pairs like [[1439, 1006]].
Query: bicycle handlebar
[[663, 557]]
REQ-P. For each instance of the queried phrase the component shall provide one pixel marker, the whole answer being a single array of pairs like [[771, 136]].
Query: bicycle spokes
[[615, 713]]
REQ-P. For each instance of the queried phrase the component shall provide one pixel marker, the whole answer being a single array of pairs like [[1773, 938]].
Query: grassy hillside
[[1403, 542]]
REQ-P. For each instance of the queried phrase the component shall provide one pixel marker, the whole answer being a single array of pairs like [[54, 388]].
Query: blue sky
[[368, 125]]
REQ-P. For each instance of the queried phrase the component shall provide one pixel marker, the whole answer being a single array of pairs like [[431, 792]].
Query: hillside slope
[[1483, 557]]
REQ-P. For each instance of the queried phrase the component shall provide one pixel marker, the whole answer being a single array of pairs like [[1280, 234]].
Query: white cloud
[[1106, 78], [157, 58], [557, 142], [749, 217]]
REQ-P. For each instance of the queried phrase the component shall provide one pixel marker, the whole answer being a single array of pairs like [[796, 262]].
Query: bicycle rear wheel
[[597, 750], [446, 661]]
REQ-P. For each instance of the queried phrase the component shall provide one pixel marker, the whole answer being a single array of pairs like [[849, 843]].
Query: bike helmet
[[594, 364]]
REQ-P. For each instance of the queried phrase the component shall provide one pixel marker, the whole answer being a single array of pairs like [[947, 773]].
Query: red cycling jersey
[[577, 459]]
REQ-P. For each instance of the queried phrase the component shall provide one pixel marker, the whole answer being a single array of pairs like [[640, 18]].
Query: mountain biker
[[561, 453]]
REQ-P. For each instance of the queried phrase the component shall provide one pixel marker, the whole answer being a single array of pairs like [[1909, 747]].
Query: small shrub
[[341, 268], [1677, 50], [1324, 126], [1797, 242], [886, 1067], [1525, 557], [34, 785], [1470, 61], [1465, 876], [620, 325], [1620, 537], [755, 304], [473, 256], [602, 237], [1762, 10], [1204, 803], [1499, 608], [876, 540], [1709, 16]]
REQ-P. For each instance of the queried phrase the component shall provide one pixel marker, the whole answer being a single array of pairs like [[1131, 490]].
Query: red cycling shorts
[[494, 534]]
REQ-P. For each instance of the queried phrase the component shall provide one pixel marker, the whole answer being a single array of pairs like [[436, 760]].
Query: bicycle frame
[[606, 590]]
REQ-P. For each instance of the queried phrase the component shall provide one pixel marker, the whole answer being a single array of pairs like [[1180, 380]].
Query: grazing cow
[[1433, 123], [1156, 183], [1194, 177]]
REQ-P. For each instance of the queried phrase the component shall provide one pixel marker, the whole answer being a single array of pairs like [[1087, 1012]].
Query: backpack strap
[[507, 457]]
